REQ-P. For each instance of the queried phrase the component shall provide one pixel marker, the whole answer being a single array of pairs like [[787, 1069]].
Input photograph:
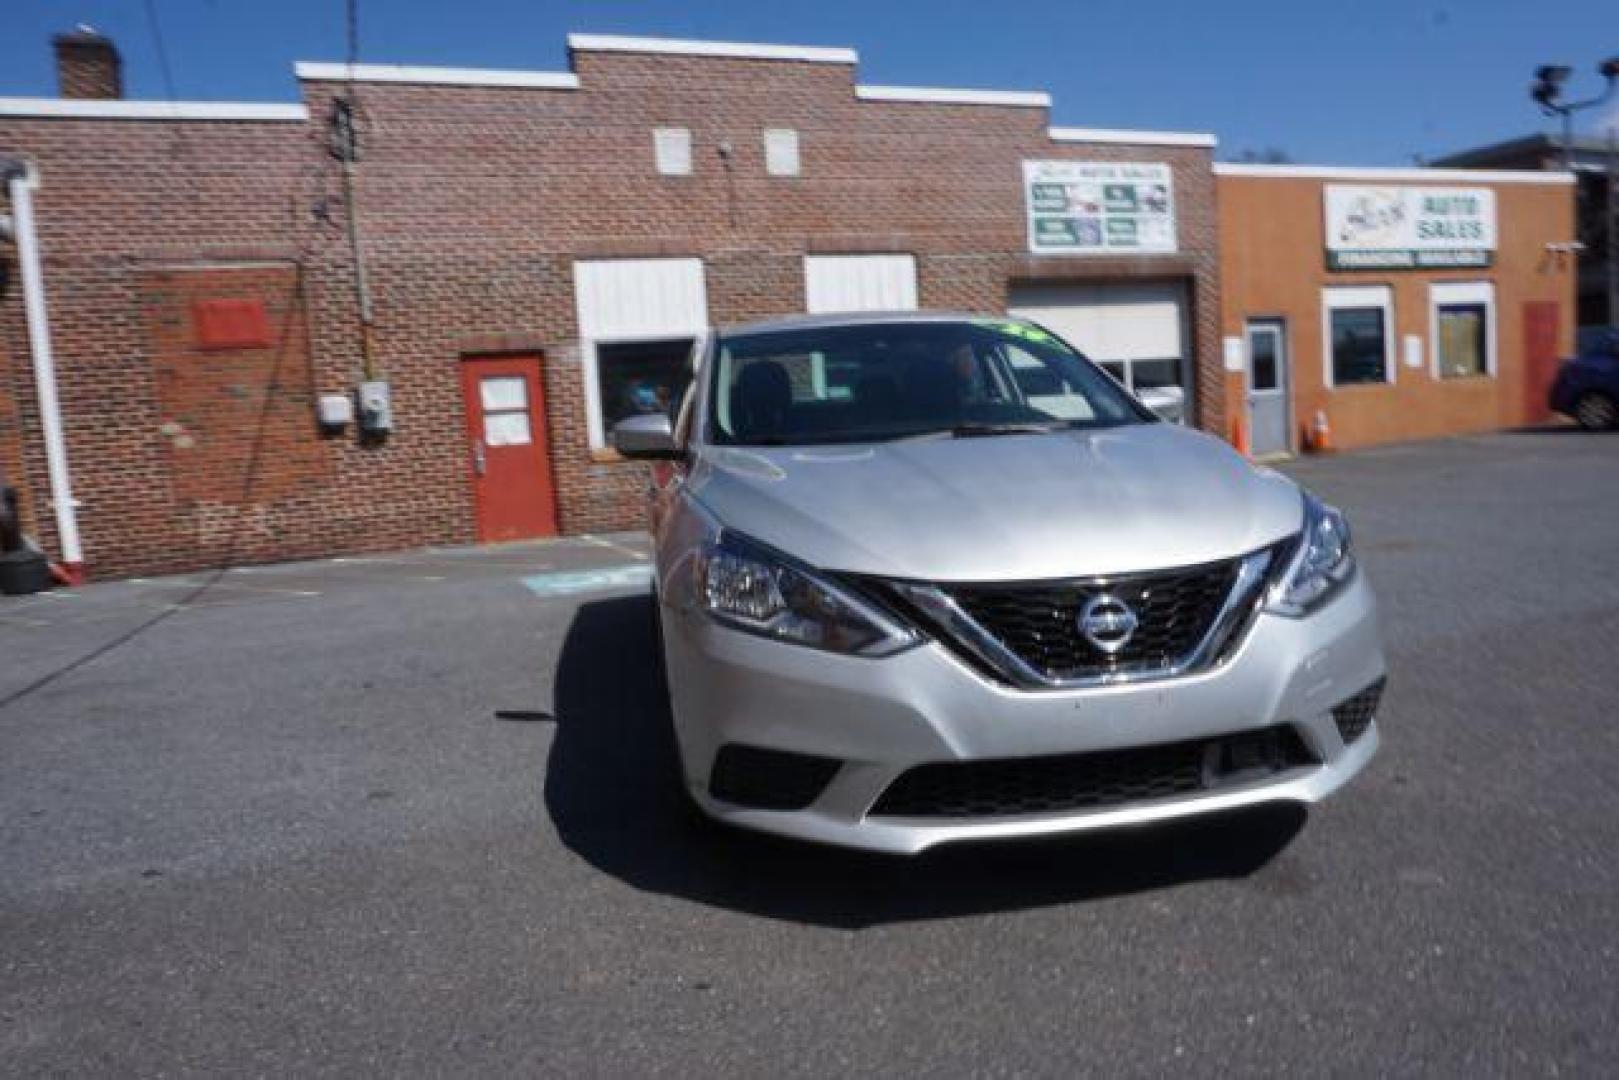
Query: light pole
[[1547, 92]]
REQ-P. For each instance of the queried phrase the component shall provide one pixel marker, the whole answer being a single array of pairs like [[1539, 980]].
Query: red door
[[1540, 359], [507, 446]]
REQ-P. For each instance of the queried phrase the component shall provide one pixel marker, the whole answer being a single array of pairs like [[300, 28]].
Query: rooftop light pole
[[1547, 92]]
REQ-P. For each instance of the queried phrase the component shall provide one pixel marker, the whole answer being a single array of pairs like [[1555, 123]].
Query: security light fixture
[[1548, 86]]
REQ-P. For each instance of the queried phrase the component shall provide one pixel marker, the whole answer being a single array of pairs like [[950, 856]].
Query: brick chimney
[[88, 65]]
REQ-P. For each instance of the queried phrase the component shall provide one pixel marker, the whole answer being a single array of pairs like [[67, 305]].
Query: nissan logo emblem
[[1107, 622]]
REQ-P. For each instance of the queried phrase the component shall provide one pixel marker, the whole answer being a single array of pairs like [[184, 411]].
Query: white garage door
[[1138, 332]]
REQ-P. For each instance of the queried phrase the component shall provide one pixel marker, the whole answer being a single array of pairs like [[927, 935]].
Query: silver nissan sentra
[[926, 578]]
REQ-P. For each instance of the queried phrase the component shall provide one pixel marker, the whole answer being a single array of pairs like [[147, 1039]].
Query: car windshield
[[880, 381]]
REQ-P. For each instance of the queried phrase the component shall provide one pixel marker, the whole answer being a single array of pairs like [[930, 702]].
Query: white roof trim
[[118, 109], [736, 50], [940, 95], [436, 76], [1137, 138], [1328, 172]]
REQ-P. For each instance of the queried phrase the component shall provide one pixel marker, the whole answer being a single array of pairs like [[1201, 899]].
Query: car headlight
[[1320, 566], [754, 588]]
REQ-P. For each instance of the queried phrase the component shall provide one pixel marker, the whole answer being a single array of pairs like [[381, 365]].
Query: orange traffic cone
[[1320, 433], [1239, 436]]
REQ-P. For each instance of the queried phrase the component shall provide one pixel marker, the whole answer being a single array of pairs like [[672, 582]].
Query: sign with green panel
[[1085, 207], [1408, 228]]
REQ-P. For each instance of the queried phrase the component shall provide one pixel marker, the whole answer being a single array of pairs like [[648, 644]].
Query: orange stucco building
[[1390, 304]]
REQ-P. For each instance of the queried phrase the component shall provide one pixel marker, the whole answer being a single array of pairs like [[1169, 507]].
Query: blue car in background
[[1587, 387]]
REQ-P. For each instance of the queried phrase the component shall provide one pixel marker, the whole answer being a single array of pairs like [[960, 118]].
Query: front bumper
[[880, 717]]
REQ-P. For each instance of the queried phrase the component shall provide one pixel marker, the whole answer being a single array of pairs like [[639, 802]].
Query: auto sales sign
[[1083, 208], [1409, 228]]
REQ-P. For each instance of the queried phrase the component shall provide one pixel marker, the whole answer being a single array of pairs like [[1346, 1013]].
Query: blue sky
[[1363, 82]]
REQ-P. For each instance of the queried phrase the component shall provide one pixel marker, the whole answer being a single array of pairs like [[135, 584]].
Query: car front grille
[[1091, 781], [769, 779], [1354, 715], [1039, 621]]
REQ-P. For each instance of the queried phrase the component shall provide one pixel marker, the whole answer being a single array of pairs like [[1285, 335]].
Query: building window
[[1463, 330], [672, 147], [505, 410], [637, 377], [781, 151], [637, 321], [1359, 333]]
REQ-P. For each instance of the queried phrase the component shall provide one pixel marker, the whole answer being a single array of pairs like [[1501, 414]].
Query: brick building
[[586, 223], [1393, 304], [540, 248]]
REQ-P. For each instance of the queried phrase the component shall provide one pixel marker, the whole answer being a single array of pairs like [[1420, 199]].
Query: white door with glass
[[1269, 415]]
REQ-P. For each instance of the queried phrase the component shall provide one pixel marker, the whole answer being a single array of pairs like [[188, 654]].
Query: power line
[[179, 148], [352, 9], [346, 119], [161, 48]]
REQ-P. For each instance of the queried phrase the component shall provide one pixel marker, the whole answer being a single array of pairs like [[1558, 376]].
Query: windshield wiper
[[979, 430]]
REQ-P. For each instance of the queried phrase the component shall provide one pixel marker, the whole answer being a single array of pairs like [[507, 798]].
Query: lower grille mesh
[[1107, 778], [1354, 715]]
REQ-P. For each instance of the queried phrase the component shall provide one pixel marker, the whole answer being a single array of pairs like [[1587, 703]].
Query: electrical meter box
[[376, 413]]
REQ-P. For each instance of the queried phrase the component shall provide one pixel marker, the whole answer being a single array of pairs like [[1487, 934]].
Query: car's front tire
[[1596, 411]]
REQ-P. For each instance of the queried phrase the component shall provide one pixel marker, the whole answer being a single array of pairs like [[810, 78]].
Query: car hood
[[1002, 508]]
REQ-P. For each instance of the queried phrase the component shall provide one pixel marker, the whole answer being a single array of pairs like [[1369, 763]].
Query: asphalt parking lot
[[414, 814]]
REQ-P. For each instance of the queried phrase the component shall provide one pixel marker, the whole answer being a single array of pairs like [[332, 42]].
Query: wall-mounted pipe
[[21, 182]]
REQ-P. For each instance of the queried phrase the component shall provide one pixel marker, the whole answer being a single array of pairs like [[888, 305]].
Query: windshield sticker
[[1020, 330]]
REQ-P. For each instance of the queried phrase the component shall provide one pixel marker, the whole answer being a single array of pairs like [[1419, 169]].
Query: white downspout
[[23, 181]]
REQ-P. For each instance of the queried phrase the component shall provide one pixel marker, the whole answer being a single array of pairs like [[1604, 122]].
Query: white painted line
[[591, 538], [180, 583]]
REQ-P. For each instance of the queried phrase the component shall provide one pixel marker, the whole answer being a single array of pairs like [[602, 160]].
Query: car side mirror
[[647, 437], [1169, 402]]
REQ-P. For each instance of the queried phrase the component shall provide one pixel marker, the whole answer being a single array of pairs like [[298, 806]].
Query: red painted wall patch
[[231, 324]]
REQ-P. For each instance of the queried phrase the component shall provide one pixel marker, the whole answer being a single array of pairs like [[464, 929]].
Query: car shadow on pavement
[[612, 790]]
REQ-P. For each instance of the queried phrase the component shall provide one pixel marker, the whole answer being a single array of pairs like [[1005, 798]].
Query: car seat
[[761, 401]]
